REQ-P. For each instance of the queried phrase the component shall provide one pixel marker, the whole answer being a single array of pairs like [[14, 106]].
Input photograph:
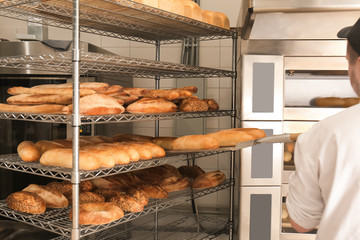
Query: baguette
[[194, 142], [98, 87], [31, 99], [231, 137], [39, 90], [28, 152], [45, 145], [62, 157], [38, 109], [164, 142], [151, 105]]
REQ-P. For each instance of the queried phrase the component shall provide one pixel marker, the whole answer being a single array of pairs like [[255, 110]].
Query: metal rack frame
[[57, 220], [116, 18], [95, 63], [124, 117]]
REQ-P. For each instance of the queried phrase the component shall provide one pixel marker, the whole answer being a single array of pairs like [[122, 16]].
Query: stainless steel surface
[[247, 100], [116, 18], [62, 225], [246, 178], [245, 202]]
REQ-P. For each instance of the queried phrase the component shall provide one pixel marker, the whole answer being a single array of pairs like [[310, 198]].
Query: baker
[[324, 191]]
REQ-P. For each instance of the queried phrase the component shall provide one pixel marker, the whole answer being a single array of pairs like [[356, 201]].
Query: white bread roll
[[62, 157], [194, 142], [52, 197]]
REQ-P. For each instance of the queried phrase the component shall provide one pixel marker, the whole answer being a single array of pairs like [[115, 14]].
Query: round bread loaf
[[26, 202], [127, 203]]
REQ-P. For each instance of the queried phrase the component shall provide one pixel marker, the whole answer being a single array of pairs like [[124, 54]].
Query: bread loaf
[[40, 109], [54, 90], [192, 10], [231, 137], [151, 105], [194, 142], [62, 157], [32, 99], [52, 197], [97, 104], [164, 142], [28, 152], [45, 145], [191, 171], [209, 179]]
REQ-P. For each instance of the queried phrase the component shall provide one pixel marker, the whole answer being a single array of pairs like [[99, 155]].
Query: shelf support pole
[[233, 125], [75, 176]]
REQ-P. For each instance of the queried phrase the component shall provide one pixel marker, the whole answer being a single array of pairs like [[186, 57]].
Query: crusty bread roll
[[52, 197], [151, 105], [45, 145], [164, 142], [28, 151], [144, 152], [256, 132], [127, 203], [212, 104], [32, 99], [140, 195], [62, 157], [104, 183], [97, 104], [193, 105], [131, 151], [125, 98], [118, 155], [42, 108], [26, 202], [154, 191], [209, 179], [104, 157], [98, 213], [139, 92], [194, 142], [172, 184], [113, 90]]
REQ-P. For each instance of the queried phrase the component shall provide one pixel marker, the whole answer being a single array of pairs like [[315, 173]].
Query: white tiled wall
[[214, 53]]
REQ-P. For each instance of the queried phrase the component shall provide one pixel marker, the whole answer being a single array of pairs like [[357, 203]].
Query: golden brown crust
[[52, 197], [154, 191], [107, 193], [88, 197], [139, 92], [140, 195], [164, 142], [231, 138], [193, 105], [62, 157], [42, 108], [209, 179], [212, 104], [44, 145], [97, 104], [127, 203], [125, 97], [32, 99], [26, 202], [28, 151], [121, 137], [151, 105], [172, 184], [191, 171], [64, 187], [98, 213], [194, 142], [48, 90]]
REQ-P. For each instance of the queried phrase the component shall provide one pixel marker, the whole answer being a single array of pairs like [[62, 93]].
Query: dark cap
[[352, 34]]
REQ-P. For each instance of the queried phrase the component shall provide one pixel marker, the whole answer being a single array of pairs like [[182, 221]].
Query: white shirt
[[324, 190]]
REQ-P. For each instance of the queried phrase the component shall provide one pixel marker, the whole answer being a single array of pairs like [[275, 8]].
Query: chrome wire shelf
[[57, 220], [13, 162], [115, 18], [106, 64], [124, 117], [172, 225]]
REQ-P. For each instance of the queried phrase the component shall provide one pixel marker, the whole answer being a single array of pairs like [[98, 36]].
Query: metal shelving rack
[[126, 20]]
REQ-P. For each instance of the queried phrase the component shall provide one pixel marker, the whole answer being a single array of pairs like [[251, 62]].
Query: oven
[[286, 63]]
